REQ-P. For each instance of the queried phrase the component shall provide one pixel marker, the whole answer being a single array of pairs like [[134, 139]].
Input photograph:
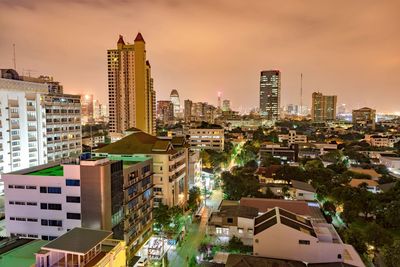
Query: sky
[[349, 48]]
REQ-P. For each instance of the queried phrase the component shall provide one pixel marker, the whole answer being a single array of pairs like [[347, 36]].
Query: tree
[[391, 254], [239, 184], [287, 173], [314, 165], [330, 208], [377, 236], [356, 238], [162, 216], [270, 160], [194, 197]]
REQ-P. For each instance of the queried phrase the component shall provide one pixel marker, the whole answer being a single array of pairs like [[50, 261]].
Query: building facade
[[364, 117], [292, 137], [323, 107], [63, 126], [23, 141], [165, 111], [130, 87], [207, 138], [270, 94], [174, 98]]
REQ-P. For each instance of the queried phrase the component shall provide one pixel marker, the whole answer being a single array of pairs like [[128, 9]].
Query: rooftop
[[237, 260], [78, 240], [57, 170], [303, 186], [265, 204], [23, 255]]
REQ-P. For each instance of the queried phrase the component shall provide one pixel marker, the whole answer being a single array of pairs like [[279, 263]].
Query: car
[[142, 262]]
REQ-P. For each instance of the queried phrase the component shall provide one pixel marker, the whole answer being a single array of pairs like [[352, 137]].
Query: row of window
[[22, 186], [69, 199]]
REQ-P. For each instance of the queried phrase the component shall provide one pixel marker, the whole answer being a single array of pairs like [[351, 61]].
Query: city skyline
[[352, 58]]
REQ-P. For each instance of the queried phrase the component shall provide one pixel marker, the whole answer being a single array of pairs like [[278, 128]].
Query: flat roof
[[51, 171], [78, 240], [23, 255]]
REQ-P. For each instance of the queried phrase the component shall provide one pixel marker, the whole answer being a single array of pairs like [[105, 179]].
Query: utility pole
[[301, 94]]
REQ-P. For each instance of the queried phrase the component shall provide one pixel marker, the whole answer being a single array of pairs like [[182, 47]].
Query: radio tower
[[14, 59], [301, 94]]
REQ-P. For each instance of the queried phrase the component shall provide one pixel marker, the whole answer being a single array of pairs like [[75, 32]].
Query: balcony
[[31, 118], [14, 126], [32, 139], [31, 108], [32, 128], [14, 115], [15, 137]]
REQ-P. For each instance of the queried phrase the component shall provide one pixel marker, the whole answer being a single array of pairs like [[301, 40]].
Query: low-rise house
[[288, 154], [371, 185], [382, 140], [207, 138], [282, 234], [232, 220], [292, 137], [371, 172], [302, 191], [265, 204]]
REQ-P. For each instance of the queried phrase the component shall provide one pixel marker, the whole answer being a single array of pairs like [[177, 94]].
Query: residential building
[[270, 94], [170, 159], [23, 141], [174, 98], [364, 117], [232, 220], [63, 126], [207, 138], [323, 107], [194, 169], [53, 86], [48, 200], [94, 139], [237, 260], [302, 240], [370, 185], [289, 153], [165, 111], [83, 247], [226, 105], [130, 87], [188, 106], [383, 140], [264, 205], [302, 191], [292, 137]]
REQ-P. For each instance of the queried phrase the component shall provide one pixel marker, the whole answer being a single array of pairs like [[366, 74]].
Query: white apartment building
[[194, 169], [285, 235], [382, 140], [292, 138], [63, 126], [207, 138], [42, 202], [22, 125]]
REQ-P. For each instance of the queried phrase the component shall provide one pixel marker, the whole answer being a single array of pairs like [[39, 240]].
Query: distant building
[[292, 137], [270, 94], [323, 107], [194, 168], [174, 97], [100, 113], [188, 106], [226, 105], [365, 117], [207, 138], [87, 109], [165, 111], [130, 87]]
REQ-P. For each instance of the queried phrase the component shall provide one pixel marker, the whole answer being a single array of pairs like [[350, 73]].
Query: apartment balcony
[[32, 139], [15, 137], [31, 108], [14, 115], [15, 148], [31, 118], [32, 149], [31, 128], [13, 103], [15, 126]]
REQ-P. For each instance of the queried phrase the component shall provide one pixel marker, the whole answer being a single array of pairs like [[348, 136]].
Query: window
[[301, 194], [73, 216], [19, 186], [72, 182], [10, 186], [43, 206], [71, 199], [230, 220], [54, 190], [52, 206], [43, 189], [31, 203], [57, 223], [30, 187], [12, 218], [304, 242], [32, 220]]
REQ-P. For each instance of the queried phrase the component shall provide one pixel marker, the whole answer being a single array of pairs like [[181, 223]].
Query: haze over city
[[346, 48]]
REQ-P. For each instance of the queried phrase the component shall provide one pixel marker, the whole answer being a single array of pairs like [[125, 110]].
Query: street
[[189, 247]]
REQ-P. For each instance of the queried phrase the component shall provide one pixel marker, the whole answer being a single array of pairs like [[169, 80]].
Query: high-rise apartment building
[[174, 97], [115, 194], [130, 87], [270, 94], [165, 111], [226, 105], [323, 107], [188, 110], [365, 117], [23, 141], [63, 126], [87, 105]]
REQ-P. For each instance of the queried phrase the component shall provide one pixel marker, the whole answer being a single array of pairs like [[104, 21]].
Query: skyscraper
[[130, 87], [270, 94], [174, 97], [226, 105], [188, 110], [323, 107], [165, 111]]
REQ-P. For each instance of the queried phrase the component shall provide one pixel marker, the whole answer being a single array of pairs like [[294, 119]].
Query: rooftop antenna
[[301, 94], [14, 58]]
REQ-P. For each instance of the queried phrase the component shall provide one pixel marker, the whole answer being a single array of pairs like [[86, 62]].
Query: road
[[189, 247]]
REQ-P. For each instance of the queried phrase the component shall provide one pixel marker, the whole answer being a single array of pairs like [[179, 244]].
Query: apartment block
[[292, 137], [23, 141], [170, 157], [270, 94], [364, 117], [63, 126], [201, 138], [323, 107]]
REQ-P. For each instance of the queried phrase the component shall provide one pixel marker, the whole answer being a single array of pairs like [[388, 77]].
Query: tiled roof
[[302, 186], [266, 204], [236, 260]]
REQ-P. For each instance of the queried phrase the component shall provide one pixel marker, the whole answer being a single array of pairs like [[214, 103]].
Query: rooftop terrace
[[23, 255], [51, 171]]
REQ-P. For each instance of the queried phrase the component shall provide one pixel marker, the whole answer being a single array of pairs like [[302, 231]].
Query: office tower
[[323, 107], [365, 117], [188, 110], [63, 126], [270, 94], [165, 111], [99, 193], [130, 87], [170, 157], [226, 105], [174, 97], [22, 123], [87, 109]]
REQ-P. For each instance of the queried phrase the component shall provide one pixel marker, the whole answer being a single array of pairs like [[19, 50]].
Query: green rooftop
[[52, 171], [23, 255]]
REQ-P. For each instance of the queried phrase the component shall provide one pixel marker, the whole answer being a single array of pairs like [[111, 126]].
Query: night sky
[[348, 48]]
